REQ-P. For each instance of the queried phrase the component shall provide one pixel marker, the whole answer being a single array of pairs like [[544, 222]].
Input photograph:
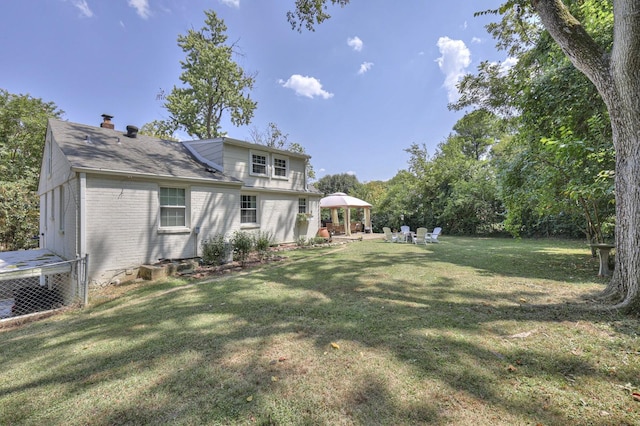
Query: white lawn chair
[[405, 231], [432, 237], [389, 236], [420, 236]]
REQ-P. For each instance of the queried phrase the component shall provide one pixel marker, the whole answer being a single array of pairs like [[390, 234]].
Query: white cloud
[[231, 3], [351, 172], [305, 86], [364, 67], [507, 64], [83, 7], [141, 7], [355, 43], [476, 40], [455, 58]]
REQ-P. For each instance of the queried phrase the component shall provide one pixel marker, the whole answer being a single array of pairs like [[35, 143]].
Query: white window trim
[[266, 163], [255, 224], [306, 204], [286, 168], [187, 212]]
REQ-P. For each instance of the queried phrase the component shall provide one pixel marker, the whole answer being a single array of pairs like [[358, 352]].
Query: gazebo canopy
[[340, 200]]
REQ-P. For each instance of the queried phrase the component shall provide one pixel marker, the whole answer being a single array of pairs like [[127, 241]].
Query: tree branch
[[575, 42]]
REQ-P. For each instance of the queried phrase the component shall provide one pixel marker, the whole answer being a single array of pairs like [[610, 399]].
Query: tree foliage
[[343, 182], [159, 129], [546, 99], [213, 84], [273, 137], [23, 125]]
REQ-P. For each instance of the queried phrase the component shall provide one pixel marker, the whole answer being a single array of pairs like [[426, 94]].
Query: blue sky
[[364, 86]]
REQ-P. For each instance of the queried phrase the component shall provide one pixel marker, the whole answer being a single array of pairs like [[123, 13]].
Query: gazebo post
[[334, 216], [367, 219], [347, 221]]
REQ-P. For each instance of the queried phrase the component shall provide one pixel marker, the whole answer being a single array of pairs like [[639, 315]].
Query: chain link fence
[[43, 288]]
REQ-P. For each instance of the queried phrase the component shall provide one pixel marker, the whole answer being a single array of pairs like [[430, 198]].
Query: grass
[[468, 331]]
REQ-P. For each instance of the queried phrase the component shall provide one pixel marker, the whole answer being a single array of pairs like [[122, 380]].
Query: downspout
[[82, 233]]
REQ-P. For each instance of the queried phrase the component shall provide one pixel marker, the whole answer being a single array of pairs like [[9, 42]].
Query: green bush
[[242, 244], [261, 242], [318, 240], [19, 216], [301, 241], [214, 250]]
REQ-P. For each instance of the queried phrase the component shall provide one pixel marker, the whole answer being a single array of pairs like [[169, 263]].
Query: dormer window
[[258, 163], [280, 167]]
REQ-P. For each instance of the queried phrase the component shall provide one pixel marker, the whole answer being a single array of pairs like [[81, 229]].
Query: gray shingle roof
[[100, 149]]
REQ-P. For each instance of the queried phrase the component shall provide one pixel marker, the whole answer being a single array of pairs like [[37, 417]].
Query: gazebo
[[340, 200]]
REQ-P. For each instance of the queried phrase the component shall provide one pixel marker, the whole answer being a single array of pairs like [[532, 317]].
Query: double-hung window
[[173, 207], [248, 209], [258, 163], [280, 167], [302, 205]]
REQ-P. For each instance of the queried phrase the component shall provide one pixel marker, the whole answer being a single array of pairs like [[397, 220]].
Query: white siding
[[237, 163], [277, 215], [216, 213], [55, 173], [123, 222]]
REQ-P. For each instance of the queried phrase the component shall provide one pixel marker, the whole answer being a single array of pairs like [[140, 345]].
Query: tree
[[615, 73], [23, 125], [272, 136], [478, 131], [343, 182], [556, 166], [213, 83], [159, 129]]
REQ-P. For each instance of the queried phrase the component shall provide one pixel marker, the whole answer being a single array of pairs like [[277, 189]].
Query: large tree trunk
[[617, 78]]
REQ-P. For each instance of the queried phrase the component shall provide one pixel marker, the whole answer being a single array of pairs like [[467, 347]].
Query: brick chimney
[[106, 121]]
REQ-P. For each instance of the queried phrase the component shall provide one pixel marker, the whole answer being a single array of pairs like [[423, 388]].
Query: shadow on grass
[[225, 339]]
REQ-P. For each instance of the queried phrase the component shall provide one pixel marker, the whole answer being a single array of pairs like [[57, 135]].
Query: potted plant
[[303, 217]]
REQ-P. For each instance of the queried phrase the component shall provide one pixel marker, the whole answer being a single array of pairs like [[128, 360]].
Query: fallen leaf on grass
[[274, 379], [334, 345], [282, 359], [250, 398], [636, 396], [511, 368]]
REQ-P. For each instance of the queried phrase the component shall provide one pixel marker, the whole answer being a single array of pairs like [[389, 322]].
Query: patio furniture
[[420, 236], [432, 237], [603, 254], [405, 233], [389, 236]]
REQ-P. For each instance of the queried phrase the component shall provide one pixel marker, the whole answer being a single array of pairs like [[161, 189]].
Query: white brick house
[[127, 199]]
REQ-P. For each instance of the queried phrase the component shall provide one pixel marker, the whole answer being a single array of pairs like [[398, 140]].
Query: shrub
[[214, 250], [242, 244], [319, 240], [301, 241], [261, 242]]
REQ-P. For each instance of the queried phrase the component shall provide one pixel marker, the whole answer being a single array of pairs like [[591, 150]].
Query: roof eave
[[130, 174]]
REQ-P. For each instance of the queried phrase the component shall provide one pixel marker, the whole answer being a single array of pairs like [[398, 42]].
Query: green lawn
[[468, 331]]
